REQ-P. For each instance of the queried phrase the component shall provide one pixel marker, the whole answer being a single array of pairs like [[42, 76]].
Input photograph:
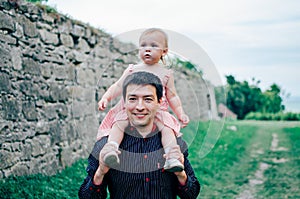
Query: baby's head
[[153, 45], [156, 32]]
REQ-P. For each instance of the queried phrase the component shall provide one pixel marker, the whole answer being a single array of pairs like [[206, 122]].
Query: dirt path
[[260, 151], [250, 189]]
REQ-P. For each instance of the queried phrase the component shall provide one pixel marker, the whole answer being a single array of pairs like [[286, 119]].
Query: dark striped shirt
[[140, 173]]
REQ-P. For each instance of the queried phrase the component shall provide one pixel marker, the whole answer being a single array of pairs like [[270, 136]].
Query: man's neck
[[144, 130]]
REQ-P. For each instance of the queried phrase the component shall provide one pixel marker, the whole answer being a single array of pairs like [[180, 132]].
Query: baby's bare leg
[[115, 138], [116, 133], [168, 140]]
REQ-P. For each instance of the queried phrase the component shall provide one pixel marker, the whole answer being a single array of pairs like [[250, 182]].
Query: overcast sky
[[243, 38]]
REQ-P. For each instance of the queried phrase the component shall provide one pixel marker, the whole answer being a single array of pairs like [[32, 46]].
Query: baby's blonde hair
[[154, 30]]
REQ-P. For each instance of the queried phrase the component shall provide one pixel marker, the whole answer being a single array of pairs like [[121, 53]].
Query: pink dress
[[118, 113]]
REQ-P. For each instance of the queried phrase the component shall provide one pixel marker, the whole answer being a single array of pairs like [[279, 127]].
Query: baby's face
[[152, 47]]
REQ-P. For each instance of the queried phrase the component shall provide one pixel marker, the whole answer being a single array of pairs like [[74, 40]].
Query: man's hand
[[102, 104]]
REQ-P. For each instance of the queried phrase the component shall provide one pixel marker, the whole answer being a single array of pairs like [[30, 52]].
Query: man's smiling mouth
[[140, 115]]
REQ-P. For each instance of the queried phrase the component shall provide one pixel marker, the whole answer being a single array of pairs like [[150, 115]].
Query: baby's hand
[[102, 104], [184, 119]]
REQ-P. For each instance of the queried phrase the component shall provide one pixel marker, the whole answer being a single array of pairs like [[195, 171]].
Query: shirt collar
[[131, 130]]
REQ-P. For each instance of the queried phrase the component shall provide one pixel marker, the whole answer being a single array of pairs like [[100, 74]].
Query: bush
[[288, 116], [37, 1], [291, 116]]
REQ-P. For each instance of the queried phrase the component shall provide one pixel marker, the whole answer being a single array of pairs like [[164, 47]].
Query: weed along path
[[272, 153]]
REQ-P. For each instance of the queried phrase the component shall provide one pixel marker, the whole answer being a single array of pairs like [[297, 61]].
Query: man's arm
[[191, 187], [89, 189]]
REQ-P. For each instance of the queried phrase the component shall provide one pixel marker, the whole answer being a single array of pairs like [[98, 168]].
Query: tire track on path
[[258, 151]]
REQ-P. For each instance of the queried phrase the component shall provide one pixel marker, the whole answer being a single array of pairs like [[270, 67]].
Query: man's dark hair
[[143, 78]]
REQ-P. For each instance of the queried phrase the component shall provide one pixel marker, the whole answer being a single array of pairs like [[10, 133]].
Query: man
[[140, 173]]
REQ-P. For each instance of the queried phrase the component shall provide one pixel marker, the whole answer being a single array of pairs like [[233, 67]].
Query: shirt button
[[147, 179], [145, 139], [145, 156], [98, 190], [91, 188]]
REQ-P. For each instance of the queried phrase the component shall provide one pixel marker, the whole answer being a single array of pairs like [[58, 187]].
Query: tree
[[243, 98], [272, 100]]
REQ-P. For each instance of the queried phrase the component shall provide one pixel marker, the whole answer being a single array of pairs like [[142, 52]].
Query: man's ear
[[165, 51], [160, 101]]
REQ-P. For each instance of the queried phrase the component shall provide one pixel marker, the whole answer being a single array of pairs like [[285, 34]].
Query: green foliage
[[289, 116], [243, 98], [37, 1], [272, 100], [185, 64], [220, 94], [46, 8], [179, 62]]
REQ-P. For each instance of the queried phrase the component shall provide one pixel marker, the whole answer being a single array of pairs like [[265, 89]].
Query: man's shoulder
[[183, 145], [99, 145]]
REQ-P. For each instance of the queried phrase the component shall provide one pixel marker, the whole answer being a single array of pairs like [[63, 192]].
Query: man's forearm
[[98, 177], [89, 189], [182, 178]]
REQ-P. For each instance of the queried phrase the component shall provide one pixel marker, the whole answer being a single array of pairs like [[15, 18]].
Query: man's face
[[141, 104]]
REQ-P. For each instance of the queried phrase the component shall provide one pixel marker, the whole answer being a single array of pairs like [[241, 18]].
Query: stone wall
[[53, 72]]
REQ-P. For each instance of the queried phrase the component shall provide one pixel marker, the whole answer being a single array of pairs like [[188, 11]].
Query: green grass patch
[[283, 175], [220, 172], [62, 185]]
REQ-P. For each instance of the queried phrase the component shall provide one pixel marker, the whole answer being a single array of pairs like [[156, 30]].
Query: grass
[[220, 172], [283, 179], [62, 185], [225, 163]]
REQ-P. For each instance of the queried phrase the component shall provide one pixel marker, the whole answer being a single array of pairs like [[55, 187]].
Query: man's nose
[[140, 104]]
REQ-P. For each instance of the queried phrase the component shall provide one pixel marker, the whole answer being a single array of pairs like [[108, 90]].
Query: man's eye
[[132, 99], [149, 99]]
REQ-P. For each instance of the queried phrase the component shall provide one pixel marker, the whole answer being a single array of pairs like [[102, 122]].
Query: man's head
[[143, 78], [142, 92]]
